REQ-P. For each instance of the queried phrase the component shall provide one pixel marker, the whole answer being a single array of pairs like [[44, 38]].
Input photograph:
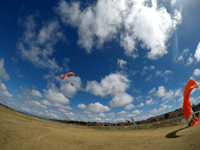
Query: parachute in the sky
[[70, 73], [187, 109]]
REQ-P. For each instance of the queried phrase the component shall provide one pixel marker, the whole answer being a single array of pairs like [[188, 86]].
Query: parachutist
[[71, 84]]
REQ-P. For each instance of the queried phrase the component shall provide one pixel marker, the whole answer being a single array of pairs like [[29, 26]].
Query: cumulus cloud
[[150, 102], [122, 112], [165, 74], [162, 93], [152, 68], [55, 104], [3, 71], [196, 72], [55, 97], [129, 106], [114, 85], [121, 63], [137, 112], [168, 95], [38, 47], [190, 60], [147, 69], [103, 21], [81, 106], [173, 2], [178, 92], [96, 108], [5, 96], [121, 100], [36, 104], [140, 105], [161, 109], [197, 53], [152, 91], [36, 93]]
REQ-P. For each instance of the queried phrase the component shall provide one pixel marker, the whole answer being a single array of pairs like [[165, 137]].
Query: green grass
[[23, 132]]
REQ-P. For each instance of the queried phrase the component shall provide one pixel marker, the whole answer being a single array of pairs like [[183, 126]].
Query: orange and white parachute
[[187, 109]]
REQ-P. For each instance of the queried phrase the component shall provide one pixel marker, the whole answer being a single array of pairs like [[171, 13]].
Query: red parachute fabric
[[187, 109], [70, 73]]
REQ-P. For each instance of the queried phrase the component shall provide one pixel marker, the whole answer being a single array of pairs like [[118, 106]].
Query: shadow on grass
[[173, 134]]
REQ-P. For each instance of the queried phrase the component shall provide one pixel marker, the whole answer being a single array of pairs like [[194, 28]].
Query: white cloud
[[173, 2], [197, 53], [164, 94], [144, 70], [96, 108], [36, 93], [140, 105], [182, 56], [139, 97], [105, 19], [3, 71], [194, 100], [56, 97], [121, 63], [37, 104], [180, 99], [165, 74], [150, 102], [5, 96], [72, 116], [190, 60], [196, 72], [152, 91], [122, 112], [38, 47], [129, 106], [178, 92], [111, 115], [152, 68], [55, 104], [121, 99], [112, 84], [137, 112], [148, 78], [162, 109], [81, 106], [161, 91]]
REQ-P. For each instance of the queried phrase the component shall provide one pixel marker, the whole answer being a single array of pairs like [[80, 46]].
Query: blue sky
[[130, 58]]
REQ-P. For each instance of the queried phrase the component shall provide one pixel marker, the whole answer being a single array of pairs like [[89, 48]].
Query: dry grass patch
[[23, 132]]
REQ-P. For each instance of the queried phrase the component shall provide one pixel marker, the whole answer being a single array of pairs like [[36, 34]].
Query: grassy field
[[23, 132]]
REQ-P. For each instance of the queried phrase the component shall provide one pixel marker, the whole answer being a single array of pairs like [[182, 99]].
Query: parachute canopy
[[70, 73], [187, 109]]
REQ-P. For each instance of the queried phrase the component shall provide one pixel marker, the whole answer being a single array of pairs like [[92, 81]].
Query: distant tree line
[[169, 115]]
